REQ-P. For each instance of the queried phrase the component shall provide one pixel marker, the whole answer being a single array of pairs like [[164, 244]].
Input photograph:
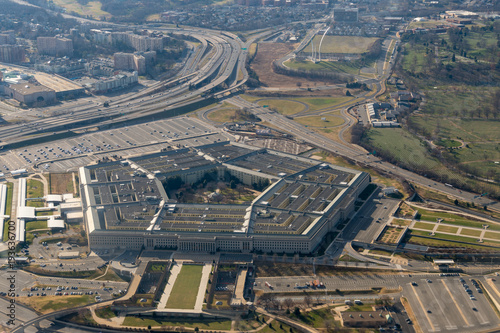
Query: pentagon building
[[126, 205]]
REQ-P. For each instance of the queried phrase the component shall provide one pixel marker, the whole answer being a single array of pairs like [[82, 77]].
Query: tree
[[308, 301], [348, 93], [299, 84], [288, 303], [453, 59], [296, 312]]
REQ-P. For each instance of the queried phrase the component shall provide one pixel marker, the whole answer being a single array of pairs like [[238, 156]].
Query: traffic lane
[[343, 282]]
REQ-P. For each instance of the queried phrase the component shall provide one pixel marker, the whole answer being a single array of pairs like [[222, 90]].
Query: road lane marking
[[449, 326], [456, 304], [423, 309]]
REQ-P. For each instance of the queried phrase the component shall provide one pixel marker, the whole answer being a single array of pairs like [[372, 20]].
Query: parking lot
[[69, 154], [444, 305]]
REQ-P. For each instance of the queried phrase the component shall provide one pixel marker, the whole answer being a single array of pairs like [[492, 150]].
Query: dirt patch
[[61, 183], [262, 65]]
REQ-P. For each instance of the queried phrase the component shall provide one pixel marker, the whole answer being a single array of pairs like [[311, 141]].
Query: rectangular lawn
[[185, 288]]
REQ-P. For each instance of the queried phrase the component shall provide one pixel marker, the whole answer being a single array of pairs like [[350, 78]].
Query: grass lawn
[[34, 225], [492, 235], [442, 243], [315, 318], [333, 66], [405, 147], [8, 211], [34, 188], [223, 115], [445, 228], [317, 121], [341, 44], [283, 106], [111, 276], [401, 222], [250, 98], [185, 289], [105, 312], [423, 225], [455, 219], [48, 304], [318, 103], [201, 324], [380, 252], [471, 232]]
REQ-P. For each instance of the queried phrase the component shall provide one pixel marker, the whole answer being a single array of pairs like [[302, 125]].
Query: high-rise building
[[11, 53], [55, 46], [134, 61]]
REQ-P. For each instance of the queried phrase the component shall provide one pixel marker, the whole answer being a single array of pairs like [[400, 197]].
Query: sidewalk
[[176, 268]]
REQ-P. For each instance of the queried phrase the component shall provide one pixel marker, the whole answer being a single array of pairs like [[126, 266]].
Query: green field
[[455, 219], [423, 225], [34, 188], [320, 103], [406, 148], [185, 288], [444, 228], [285, 107], [341, 44], [201, 324], [223, 115], [8, 211], [492, 235], [470, 232], [35, 225], [316, 121], [351, 67]]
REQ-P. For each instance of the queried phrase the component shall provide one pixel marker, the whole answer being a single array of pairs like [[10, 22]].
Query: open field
[[405, 147], [317, 121], [262, 65], [285, 107], [34, 188], [341, 44], [92, 8], [48, 304], [223, 115], [333, 66], [60, 183], [185, 289]]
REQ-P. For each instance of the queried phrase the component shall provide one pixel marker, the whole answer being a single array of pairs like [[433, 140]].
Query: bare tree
[[288, 303], [308, 301]]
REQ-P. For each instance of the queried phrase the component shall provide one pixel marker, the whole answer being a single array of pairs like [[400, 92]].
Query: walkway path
[[207, 268], [176, 268]]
